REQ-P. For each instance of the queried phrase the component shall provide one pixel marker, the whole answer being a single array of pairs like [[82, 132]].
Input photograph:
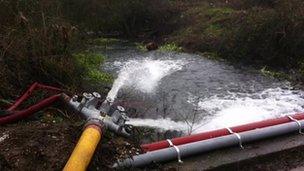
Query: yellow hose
[[84, 150]]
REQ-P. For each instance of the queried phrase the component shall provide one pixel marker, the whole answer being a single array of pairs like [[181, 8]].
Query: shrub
[[271, 36], [35, 45], [127, 18]]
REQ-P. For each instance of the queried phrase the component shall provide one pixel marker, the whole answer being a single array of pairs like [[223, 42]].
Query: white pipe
[[181, 151]]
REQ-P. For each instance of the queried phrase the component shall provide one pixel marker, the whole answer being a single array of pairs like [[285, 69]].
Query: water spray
[[143, 75]]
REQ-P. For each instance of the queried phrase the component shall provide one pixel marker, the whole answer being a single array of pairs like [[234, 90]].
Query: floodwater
[[190, 93]]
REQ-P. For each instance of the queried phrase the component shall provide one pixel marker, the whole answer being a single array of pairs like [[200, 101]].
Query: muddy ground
[[43, 145], [46, 144], [46, 140]]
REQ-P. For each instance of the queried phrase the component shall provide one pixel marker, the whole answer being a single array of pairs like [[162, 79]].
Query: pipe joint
[[96, 122], [88, 107]]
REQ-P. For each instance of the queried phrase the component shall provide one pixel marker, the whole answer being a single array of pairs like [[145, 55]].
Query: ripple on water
[[178, 88]]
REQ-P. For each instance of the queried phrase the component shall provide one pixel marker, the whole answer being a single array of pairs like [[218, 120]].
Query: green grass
[[170, 47], [91, 63], [105, 42], [213, 30], [275, 74], [141, 47], [219, 12]]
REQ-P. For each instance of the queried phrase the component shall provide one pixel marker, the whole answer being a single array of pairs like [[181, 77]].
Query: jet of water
[[143, 75]]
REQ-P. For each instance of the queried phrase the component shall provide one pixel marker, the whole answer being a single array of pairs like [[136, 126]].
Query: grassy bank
[[39, 43], [46, 41], [266, 33], [259, 33], [39, 38], [250, 32]]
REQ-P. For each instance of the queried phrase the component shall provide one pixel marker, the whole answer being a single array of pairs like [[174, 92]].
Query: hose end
[[95, 124]]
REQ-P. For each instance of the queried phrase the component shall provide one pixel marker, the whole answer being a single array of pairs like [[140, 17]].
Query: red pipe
[[30, 92], [219, 132], [23, 97], [16, 115], [51, 88]]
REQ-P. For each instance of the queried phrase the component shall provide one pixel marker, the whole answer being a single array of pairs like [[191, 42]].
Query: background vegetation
[[39, 37], [35, 45], [46, 40], [261, 33]]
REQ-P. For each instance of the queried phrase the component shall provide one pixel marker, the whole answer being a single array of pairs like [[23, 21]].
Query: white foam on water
[[217, 111], [236, 109], [163, 124], [143, 75]]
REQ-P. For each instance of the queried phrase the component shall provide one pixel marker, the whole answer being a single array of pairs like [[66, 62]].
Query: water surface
[[189, 92]]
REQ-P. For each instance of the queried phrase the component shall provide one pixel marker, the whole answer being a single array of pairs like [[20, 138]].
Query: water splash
[[241, 108], [143, 75], [234, 109], [252, 97]]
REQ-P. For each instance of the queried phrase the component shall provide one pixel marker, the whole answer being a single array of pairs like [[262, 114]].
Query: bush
[[255, 32], [206, 28], [127, 18], [271, 36], [35, 45], [37, 37]]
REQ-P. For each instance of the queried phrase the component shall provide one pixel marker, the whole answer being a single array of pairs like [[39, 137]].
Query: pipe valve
[[88, 107]]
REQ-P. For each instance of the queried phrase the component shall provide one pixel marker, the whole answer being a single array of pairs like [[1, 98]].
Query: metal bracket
[[176, 149], [238, 136], [298, 123]]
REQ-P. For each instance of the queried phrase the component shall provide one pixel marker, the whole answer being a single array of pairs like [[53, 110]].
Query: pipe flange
[[120, 108], [238, 137], [96, 95], [298, 123], [125, 117], [95, 121], [87, 96], [110, 100]]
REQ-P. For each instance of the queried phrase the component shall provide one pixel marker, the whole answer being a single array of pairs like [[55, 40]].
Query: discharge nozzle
[[106, 105]]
